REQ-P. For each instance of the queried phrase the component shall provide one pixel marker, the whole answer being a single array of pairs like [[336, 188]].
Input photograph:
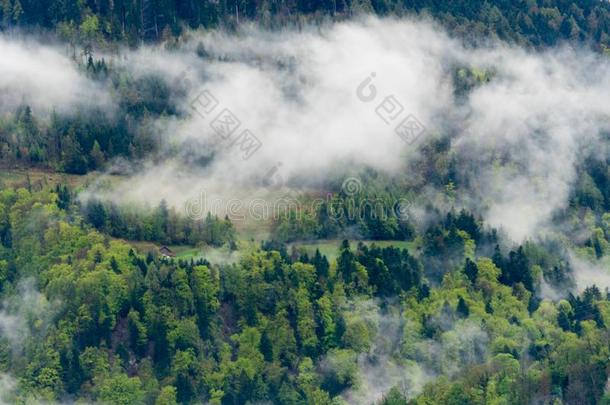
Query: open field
[[39, 178], [330, 247], [187, 252]]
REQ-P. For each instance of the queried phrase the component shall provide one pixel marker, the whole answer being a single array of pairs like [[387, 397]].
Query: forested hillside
[[531, 22], [366, 202], [86, 317]]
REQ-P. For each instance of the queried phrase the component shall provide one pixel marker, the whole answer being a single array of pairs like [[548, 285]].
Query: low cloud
[[327, 100], [400, 357], [25, 314], [45, 78], [588, 273], [516, 135]]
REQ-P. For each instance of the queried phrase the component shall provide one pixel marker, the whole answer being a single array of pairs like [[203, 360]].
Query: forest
[[144, 259], [528, 22], [92, 320]]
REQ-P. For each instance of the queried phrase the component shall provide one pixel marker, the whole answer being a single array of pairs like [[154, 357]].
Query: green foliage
[[101, 323], [372, 212], [167, 396], [121, 390], [535, 22], [85, 139], [163, 225]]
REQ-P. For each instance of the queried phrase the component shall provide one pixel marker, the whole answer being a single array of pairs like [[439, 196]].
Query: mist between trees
[[334, 207]]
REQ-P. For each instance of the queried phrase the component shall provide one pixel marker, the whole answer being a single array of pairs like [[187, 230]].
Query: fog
[[315, 103], [588, 273], [314, 99], [45, 78], [398, 356], [324, 101]]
